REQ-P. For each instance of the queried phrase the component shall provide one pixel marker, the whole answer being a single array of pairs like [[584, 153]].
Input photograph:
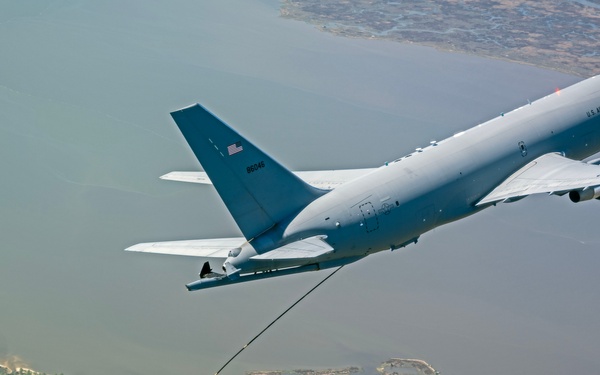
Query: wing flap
[[327, 179], [308, 248], [209, 248], [550, 173]]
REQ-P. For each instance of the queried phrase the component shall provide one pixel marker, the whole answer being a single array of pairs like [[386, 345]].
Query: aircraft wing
[[550, 173], [212, 248], [311, 247], [218, 248], [327, 179]]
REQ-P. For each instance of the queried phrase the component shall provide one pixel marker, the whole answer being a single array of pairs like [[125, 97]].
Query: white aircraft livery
[[294, 222]]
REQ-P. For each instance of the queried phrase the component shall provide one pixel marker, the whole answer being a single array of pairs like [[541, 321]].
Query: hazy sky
[[85, 92]]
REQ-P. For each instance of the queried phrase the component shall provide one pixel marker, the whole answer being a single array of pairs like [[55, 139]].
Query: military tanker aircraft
[[295, 222]]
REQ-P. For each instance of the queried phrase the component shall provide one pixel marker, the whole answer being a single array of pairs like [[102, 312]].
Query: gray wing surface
[[307, 248], [551, 174], [326, 179], [216, 248]]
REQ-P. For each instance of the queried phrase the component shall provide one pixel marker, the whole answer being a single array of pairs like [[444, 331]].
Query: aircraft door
[[370, 219]]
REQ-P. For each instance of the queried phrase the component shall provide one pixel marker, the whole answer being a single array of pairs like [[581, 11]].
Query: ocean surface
[[86, 88]]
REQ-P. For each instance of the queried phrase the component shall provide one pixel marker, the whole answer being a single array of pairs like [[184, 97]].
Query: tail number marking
[[255, 167]]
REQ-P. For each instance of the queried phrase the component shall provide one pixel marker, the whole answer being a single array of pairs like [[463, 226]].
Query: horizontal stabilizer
[[194, 177], [308, 248], [326, 179], [212, 248], [550, 173]]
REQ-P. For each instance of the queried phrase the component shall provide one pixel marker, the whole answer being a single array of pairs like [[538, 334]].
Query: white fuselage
[[396, 203]]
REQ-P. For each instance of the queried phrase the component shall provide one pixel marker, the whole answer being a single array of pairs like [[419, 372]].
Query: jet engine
[[585, 194]]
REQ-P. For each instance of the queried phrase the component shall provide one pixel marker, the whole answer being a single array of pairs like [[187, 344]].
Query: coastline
[[560, 37]]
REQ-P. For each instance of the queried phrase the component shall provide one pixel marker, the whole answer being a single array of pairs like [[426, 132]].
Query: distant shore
[[560, 36], [389, 367]]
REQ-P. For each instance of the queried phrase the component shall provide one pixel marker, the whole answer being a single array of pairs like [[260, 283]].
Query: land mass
[[558, 35], [394, 366], [6, 370]]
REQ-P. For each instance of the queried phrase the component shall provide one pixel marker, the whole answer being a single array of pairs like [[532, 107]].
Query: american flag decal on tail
[[234, 148]]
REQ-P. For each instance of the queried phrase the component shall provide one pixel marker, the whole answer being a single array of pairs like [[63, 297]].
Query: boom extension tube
[[211, 282], [224, 280]]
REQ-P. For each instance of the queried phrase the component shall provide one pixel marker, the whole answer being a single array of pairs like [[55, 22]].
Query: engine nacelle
[[584, 194]]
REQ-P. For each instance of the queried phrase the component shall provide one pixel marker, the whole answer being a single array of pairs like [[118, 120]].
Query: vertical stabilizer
[[258, 191]]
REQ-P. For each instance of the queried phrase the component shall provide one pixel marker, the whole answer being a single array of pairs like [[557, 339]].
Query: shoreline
[[560, 37]]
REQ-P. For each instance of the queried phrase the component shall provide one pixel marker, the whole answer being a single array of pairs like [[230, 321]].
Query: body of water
[[85, 92]]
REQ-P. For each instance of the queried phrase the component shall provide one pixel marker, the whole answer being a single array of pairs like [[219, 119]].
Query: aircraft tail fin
[[257, 190]]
